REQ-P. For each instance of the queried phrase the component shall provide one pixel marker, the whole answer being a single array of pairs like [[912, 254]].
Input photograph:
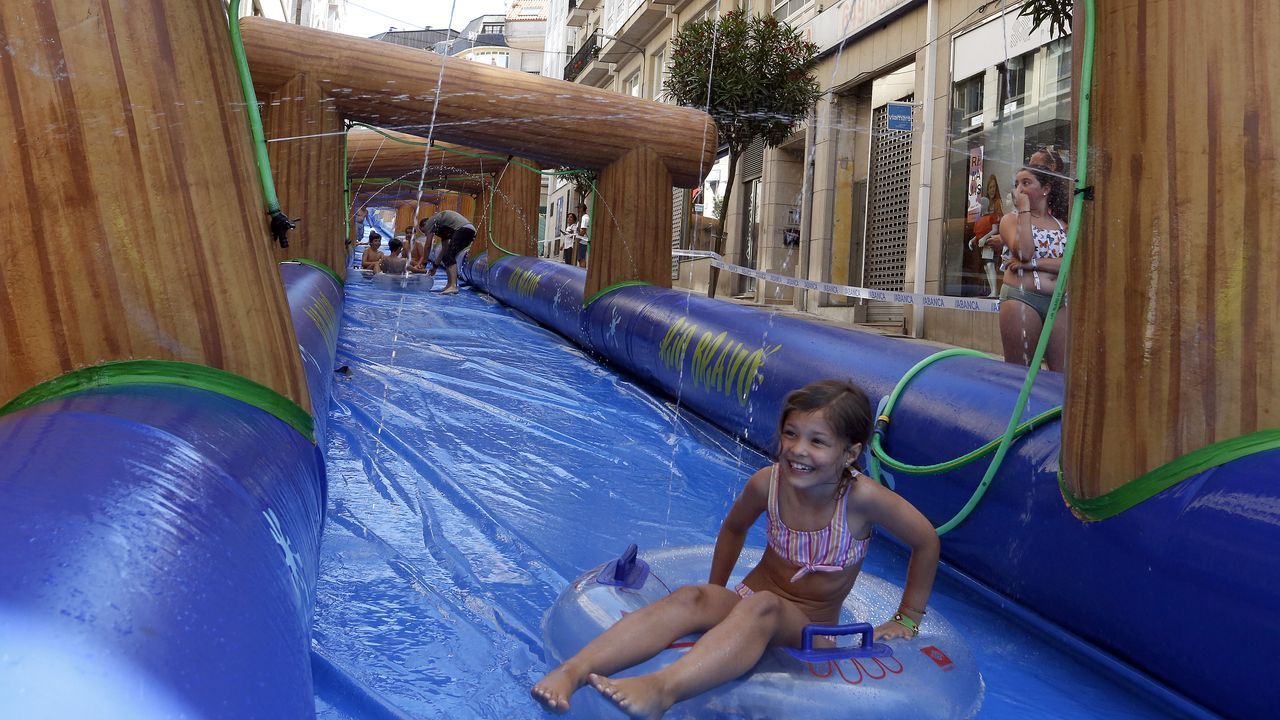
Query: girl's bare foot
[[555, 688], [638, 697]]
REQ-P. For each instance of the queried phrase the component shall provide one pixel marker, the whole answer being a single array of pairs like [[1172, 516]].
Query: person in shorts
[[455, 232]]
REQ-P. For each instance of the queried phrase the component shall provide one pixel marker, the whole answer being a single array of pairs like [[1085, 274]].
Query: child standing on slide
[[820, 511]]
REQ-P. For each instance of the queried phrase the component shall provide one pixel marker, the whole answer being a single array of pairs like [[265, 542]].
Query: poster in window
[[975, 185]]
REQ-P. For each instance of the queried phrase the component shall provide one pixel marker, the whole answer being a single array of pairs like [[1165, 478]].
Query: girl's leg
[[637, 637], [725, 652], [1055, 356], [1019, 331]]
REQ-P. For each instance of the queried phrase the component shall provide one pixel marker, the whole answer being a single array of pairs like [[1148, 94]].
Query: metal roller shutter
[[888, 200]]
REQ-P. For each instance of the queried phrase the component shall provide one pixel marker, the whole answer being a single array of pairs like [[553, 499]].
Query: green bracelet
[[907, 623]]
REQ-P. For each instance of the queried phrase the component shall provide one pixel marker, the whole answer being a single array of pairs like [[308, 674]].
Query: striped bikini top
[[831, 549]]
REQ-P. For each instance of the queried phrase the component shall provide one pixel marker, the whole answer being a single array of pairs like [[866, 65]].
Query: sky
[[370, 17]]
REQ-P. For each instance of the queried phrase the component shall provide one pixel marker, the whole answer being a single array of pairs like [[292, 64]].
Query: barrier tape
[[945, 302]]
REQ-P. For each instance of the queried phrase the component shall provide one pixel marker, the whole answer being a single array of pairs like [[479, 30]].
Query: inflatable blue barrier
[[929, 676], [315, 306], [160, 545], [1196, 550]]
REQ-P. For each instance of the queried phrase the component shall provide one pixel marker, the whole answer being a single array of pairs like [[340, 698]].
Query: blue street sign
[[900, 116]]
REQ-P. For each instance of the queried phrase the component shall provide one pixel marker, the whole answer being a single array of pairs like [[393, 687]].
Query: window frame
[[659, 59], [634, 84]]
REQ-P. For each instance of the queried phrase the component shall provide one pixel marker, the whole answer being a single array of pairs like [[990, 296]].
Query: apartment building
[[619, 45]]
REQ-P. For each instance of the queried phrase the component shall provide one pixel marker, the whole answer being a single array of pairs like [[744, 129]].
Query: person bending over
[[455, 233]]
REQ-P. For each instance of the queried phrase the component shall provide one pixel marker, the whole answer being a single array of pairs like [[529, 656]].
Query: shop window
[[746, 285], [1027, 102]]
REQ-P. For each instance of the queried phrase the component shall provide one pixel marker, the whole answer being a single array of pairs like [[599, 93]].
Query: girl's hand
[[892, 631], [1021, 201]]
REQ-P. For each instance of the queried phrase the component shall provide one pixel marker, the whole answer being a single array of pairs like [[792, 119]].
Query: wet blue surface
[[478, 462]]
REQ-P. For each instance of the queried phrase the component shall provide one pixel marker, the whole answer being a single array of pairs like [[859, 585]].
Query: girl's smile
[[810, 452]]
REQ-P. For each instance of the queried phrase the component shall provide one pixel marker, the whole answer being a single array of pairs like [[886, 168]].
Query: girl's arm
[[1048, 266], [733, 531], [890, 511], [1013, 227]]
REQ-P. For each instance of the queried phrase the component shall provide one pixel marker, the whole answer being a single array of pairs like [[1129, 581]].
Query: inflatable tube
[[315, 306], [1165, 559], [160, 546], [930, 676]]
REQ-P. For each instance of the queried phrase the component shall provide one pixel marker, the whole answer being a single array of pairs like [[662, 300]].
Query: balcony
[[584, 57], [577, 13], [647, 18]]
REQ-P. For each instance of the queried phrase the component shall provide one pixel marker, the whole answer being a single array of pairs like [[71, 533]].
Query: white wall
[[320, 14]]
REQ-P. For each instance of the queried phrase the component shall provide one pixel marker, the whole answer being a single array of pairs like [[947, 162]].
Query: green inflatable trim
[[1166, 476], [168, 372], [317, 265], [606, 290]]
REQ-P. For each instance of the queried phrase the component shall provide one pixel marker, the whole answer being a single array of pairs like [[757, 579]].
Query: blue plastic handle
[[868, 648], [628, 571]]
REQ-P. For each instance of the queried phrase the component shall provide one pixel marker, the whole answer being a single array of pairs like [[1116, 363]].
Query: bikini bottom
[[1036, 301]]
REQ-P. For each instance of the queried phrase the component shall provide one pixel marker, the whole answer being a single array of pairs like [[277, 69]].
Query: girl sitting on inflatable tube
[[803, 577]]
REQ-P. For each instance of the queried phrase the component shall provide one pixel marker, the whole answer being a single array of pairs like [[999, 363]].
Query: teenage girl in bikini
[[1034, 242], [820, 512]]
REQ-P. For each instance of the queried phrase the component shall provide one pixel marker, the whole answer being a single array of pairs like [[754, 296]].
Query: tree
[[1055, 12], [751, 74], [583, 181]]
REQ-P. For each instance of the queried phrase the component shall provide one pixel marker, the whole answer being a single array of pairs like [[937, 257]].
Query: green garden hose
[[1012, 430]]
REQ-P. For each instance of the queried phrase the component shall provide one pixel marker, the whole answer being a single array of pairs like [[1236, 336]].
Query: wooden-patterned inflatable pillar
[[464, 204], [304, 144], [513, 217], [406, 215], [631, 224], [132, 225], [1173, 340]]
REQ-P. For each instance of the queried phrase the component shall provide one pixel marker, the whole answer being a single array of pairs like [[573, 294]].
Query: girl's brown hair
[[1052, 167], [845, 408]]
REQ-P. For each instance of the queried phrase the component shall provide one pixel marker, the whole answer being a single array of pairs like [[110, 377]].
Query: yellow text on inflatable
[[325, 317], [719, 363], [671, 351], [523, 282]]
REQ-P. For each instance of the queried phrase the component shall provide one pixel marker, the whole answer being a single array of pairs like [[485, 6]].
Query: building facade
[[850, 199], [619, 45], [998, 91]]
